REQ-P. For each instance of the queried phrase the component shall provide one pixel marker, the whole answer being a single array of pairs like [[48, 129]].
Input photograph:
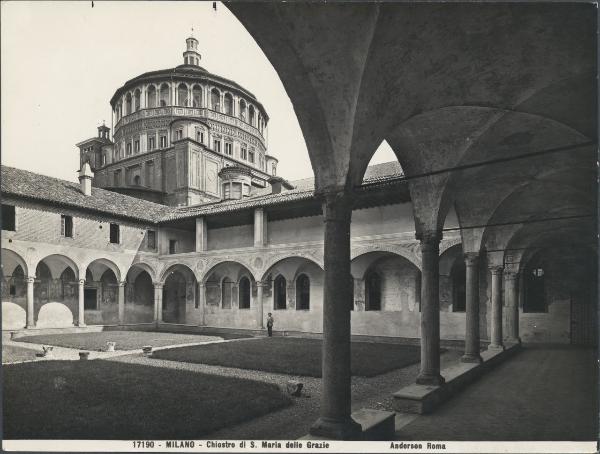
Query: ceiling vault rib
[[524, 221]]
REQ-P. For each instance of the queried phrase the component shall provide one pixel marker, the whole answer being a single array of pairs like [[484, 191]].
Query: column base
[[29, 326], [471, 358], [346, 429], [498, 347], [81, 325], [430, 380]]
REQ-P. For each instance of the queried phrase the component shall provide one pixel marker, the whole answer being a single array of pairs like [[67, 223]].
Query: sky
[[63, 61]]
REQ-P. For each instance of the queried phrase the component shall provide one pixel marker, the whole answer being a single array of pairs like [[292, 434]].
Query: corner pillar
[[259, 305], [511, 295], [335, 421], [122, 302], [201, 235], [202, 302], [81, 304], [430, 310], [472, 310], [496, 325], [30, 323], [158, 288], [260, 228]]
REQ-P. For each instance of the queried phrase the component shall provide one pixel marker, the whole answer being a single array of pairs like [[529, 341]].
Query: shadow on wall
[[13, 316]]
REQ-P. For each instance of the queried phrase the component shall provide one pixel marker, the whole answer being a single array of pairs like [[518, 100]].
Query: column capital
[[201, 284], [511, 275], [122, 283], [30, 279], [471, 258], [496, 269], [430, 240], [81, 281], [337, 205], [158, 285]]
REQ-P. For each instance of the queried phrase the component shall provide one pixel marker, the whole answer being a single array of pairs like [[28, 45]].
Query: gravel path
[[294, 421]]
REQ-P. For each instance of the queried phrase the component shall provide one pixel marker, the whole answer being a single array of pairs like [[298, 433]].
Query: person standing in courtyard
[[270, 322]]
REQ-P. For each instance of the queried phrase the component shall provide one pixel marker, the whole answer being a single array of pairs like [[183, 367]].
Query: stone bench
[[424, 399], [377, 425]]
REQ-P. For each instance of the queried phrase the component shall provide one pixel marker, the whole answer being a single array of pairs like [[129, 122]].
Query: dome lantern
[[191, 56]]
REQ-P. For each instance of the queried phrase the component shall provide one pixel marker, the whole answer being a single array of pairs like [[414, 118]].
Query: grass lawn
[[12, 354], [113, 400], [126, 340], [294, 356]]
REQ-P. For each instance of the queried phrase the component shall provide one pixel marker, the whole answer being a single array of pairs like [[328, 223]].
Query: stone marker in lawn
[[147, 350], [84, 355], [294, 388], [110, 346]]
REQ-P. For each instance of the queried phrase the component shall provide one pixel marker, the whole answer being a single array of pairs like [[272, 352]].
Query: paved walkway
[[542, 393]]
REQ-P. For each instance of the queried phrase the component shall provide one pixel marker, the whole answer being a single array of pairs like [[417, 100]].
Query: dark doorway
[[373, 292], [90, 299], [244, 290], [280, 292], [303, 292], [584, 317], [535, 293]]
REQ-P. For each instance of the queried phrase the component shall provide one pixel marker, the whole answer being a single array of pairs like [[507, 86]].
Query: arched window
[[136, 100], [373, 292], [128, 104], [459, 295], [215, 99], [165, 95], [137, 180], [182, 95], [251, 115], [228, 104], [535, 291], [151, 96], [197, 96], [244, 293], [279, 292], [226, 292], [243, 109], [302, 293]]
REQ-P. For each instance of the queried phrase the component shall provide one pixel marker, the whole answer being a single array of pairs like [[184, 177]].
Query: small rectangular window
[[151, 239], [8, 218], [13, 290], [179, 134], [128, 148], [244, 154], [172, 246], [115, 233], [151, 143], [66, 226], [228, 148], [251, 158], [163, 141], [218, 146], [137, 146]]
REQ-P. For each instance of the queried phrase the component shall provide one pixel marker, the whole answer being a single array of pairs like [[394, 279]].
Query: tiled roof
[[48, 189], [303, 190]]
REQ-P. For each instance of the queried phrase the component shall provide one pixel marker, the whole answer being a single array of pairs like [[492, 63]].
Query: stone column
[[430, 310], [202, 302], [30, 306], [496, 325], [511, 296], [335, 421], [472, 310], [158, 288], [201, 235], [260, 228], [81, 305], [259, 305], [122, 302]]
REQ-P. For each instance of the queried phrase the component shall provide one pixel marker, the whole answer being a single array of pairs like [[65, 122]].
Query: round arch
[[298, 256], [98, 266], [57, 264], [10, 260]]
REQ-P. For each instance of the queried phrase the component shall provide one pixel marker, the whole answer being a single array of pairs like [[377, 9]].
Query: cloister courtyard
[[224, 385]]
